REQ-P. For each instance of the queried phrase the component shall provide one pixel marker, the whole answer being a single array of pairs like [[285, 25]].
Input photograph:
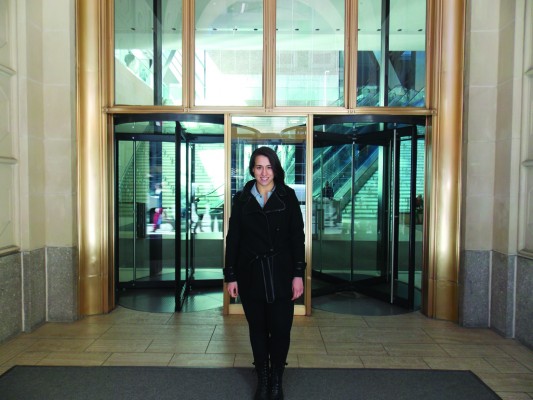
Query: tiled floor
[[208, 339]]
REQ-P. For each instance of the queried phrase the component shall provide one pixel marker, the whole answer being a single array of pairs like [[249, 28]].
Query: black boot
[[276, 391], [263, 388]]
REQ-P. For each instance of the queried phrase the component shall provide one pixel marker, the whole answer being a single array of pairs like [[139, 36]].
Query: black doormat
[[34, 382]]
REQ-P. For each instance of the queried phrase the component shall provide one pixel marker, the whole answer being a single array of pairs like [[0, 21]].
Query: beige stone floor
[[327, 340]]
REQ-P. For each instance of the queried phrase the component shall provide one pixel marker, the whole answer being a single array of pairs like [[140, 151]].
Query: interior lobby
[[113, 112]]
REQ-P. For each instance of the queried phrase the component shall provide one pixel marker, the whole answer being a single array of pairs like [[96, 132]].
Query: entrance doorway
[[368, 198], [169, 201]]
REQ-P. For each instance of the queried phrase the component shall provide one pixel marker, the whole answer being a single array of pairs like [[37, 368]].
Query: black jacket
[[265, 248]]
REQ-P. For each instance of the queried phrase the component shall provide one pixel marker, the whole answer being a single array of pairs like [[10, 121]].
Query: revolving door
[[368, 196], [169, 201]]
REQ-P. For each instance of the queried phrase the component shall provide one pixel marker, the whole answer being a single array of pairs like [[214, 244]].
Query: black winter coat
[[265, 247]]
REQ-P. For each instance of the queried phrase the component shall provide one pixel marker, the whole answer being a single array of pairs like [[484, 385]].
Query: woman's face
[[263, 173]]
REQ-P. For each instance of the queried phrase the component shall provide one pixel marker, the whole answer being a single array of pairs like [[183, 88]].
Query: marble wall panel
[[10, 296], [502, 293], [524, 301], [62, 267], [474, 277], [34, 287]]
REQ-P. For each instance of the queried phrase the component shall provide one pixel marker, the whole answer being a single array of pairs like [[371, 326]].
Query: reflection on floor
[[354, 303], [163, 300]]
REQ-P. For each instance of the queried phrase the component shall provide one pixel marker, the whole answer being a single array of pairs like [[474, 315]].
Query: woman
[[265, 264]]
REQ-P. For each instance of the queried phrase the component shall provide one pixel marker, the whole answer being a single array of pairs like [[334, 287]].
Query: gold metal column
[[445, 138], [93, 211]]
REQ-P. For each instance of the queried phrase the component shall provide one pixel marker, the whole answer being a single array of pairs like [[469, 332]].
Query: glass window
[[228, 55], [310, 53], [395, 37], [148, 53]]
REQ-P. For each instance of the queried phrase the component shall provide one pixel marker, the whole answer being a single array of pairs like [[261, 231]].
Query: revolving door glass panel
[[146, 224], [366, 230], [202, 187], [169, 205], [286, 136]]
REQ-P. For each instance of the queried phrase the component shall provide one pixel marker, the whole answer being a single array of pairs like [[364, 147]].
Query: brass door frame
[[95, 108]]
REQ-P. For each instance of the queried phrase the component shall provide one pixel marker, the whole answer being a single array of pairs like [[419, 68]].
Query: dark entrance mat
[[33, 382]]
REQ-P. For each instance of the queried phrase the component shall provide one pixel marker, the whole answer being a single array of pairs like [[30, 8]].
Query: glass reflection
[[310, 53], [228, 58], [391, 33], [148, 52]]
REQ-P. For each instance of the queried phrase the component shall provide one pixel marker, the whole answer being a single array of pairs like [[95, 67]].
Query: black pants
[[270, 328]]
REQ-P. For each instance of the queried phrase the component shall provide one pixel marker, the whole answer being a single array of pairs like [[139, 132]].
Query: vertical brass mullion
[[446, 140], [188, 46], [269, 52], [108, 89], [351, 37], [93, 162], [432, 52], [308, 214], [227, 200], [109, 61]]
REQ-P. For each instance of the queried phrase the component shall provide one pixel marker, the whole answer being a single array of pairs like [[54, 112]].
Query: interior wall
[[38, 262], [493, 134], [60, 161], [524, 264], [480, 113]]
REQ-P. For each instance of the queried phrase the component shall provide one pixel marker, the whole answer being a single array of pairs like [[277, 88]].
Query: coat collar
[[247, 190], [276, 202]]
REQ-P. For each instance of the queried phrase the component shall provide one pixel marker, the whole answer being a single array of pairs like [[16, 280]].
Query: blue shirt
[[259, 197]]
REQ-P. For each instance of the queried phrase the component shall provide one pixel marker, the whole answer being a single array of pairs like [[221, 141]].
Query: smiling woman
[[265, 265], [286, 137]]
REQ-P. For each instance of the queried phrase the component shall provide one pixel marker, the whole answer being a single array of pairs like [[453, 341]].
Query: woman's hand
[[297, 287], [233, 289]]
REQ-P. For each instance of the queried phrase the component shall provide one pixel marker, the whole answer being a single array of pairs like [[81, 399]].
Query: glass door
[[169, 202], [145, 206], [286, 136], [366, 228]]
